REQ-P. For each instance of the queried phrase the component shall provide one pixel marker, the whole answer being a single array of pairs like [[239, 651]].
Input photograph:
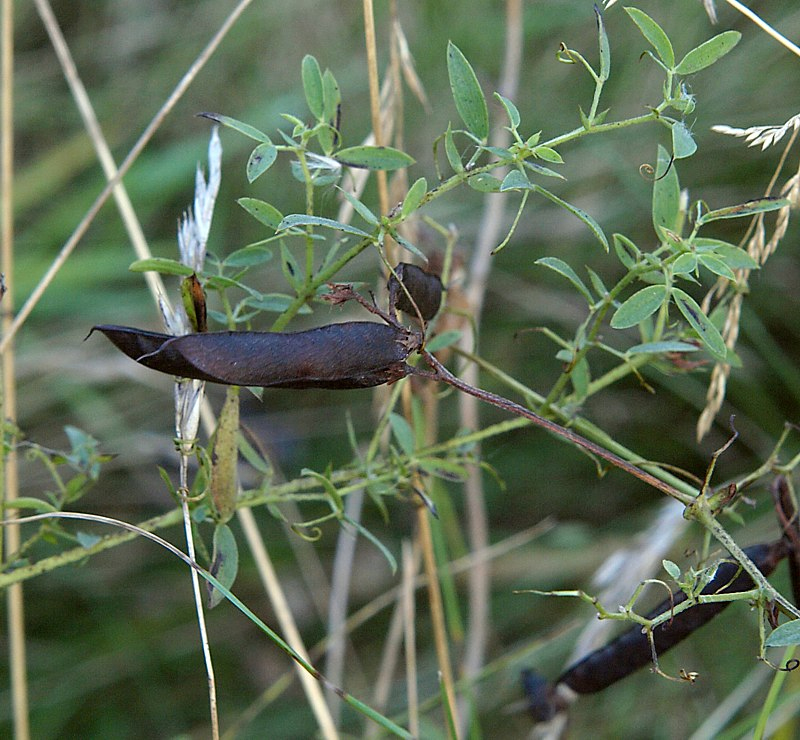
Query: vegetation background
[[113, 643]]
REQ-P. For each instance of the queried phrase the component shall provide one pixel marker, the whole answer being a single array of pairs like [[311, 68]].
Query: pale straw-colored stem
[[10, 475], [764, 26]]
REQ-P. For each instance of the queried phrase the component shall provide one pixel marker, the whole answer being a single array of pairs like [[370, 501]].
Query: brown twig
[[440, 372]]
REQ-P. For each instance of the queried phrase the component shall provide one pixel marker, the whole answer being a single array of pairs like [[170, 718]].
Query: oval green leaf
[[402, 433], [331, 96], [685, 264], [414, 197], [639, 306], [627, 252], [451, 151], [467, 93], [716, 265], [784, 635], [548, 154], [249, 256], [708, 333], [515, 180], [654, 34], [301, 219], [734, 257], [708, 52], [360, 208], [312, 86], [666, 195], [374, 157], [683, 143], [162, 265], [241, 127], [511, 110], [605, 48], [483, 182], [760, 205], [262, 211], [657, 348], [224, 564], [563, 269], [440, 341], [261, 159]]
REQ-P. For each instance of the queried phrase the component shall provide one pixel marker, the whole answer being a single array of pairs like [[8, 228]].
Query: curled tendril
[[791, 665], [648, 172], [564, 54], [312, 535]]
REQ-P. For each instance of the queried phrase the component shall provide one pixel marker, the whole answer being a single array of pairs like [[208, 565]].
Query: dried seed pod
[[788, 516], [631, 650], [356, 354], [425, 289]]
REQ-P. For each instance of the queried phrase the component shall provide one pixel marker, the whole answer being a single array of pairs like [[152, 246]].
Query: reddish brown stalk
[[440, 372]]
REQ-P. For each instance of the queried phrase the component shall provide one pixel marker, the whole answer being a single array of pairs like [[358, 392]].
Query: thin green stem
[[321, 278], [700, 510]]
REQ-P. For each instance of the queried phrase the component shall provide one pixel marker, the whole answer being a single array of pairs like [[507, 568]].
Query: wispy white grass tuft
[[195, 225], [765, 136]]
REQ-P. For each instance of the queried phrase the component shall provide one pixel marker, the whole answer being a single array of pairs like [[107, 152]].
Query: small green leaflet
[[683, 143], [414, 197], [666, 195], [708, 333], [654, 34], [562, 268], [359, 207], [402, 433], [241, 127], [224, 564], [248, 256], [657, 348], [639, 306], [374, 157], [751, 207], [511, 110], [467, 93], [605, 49], [262, 211], [162, 265], [312, 86], [708, 52], [261, 159], [784, 635], [301, 219]]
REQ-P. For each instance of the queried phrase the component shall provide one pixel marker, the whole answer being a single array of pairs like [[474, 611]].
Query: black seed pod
[[424, 287], [356, 354]]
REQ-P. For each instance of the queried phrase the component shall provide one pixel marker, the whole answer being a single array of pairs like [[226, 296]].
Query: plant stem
[[443, 374]]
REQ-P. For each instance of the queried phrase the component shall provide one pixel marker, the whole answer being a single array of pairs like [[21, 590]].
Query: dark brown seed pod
[[356, 354], [425, 289], [543, 701], [631, 650], [784, 506]]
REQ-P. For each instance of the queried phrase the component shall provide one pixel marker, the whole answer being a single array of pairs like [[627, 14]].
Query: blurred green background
[[113, 644]]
